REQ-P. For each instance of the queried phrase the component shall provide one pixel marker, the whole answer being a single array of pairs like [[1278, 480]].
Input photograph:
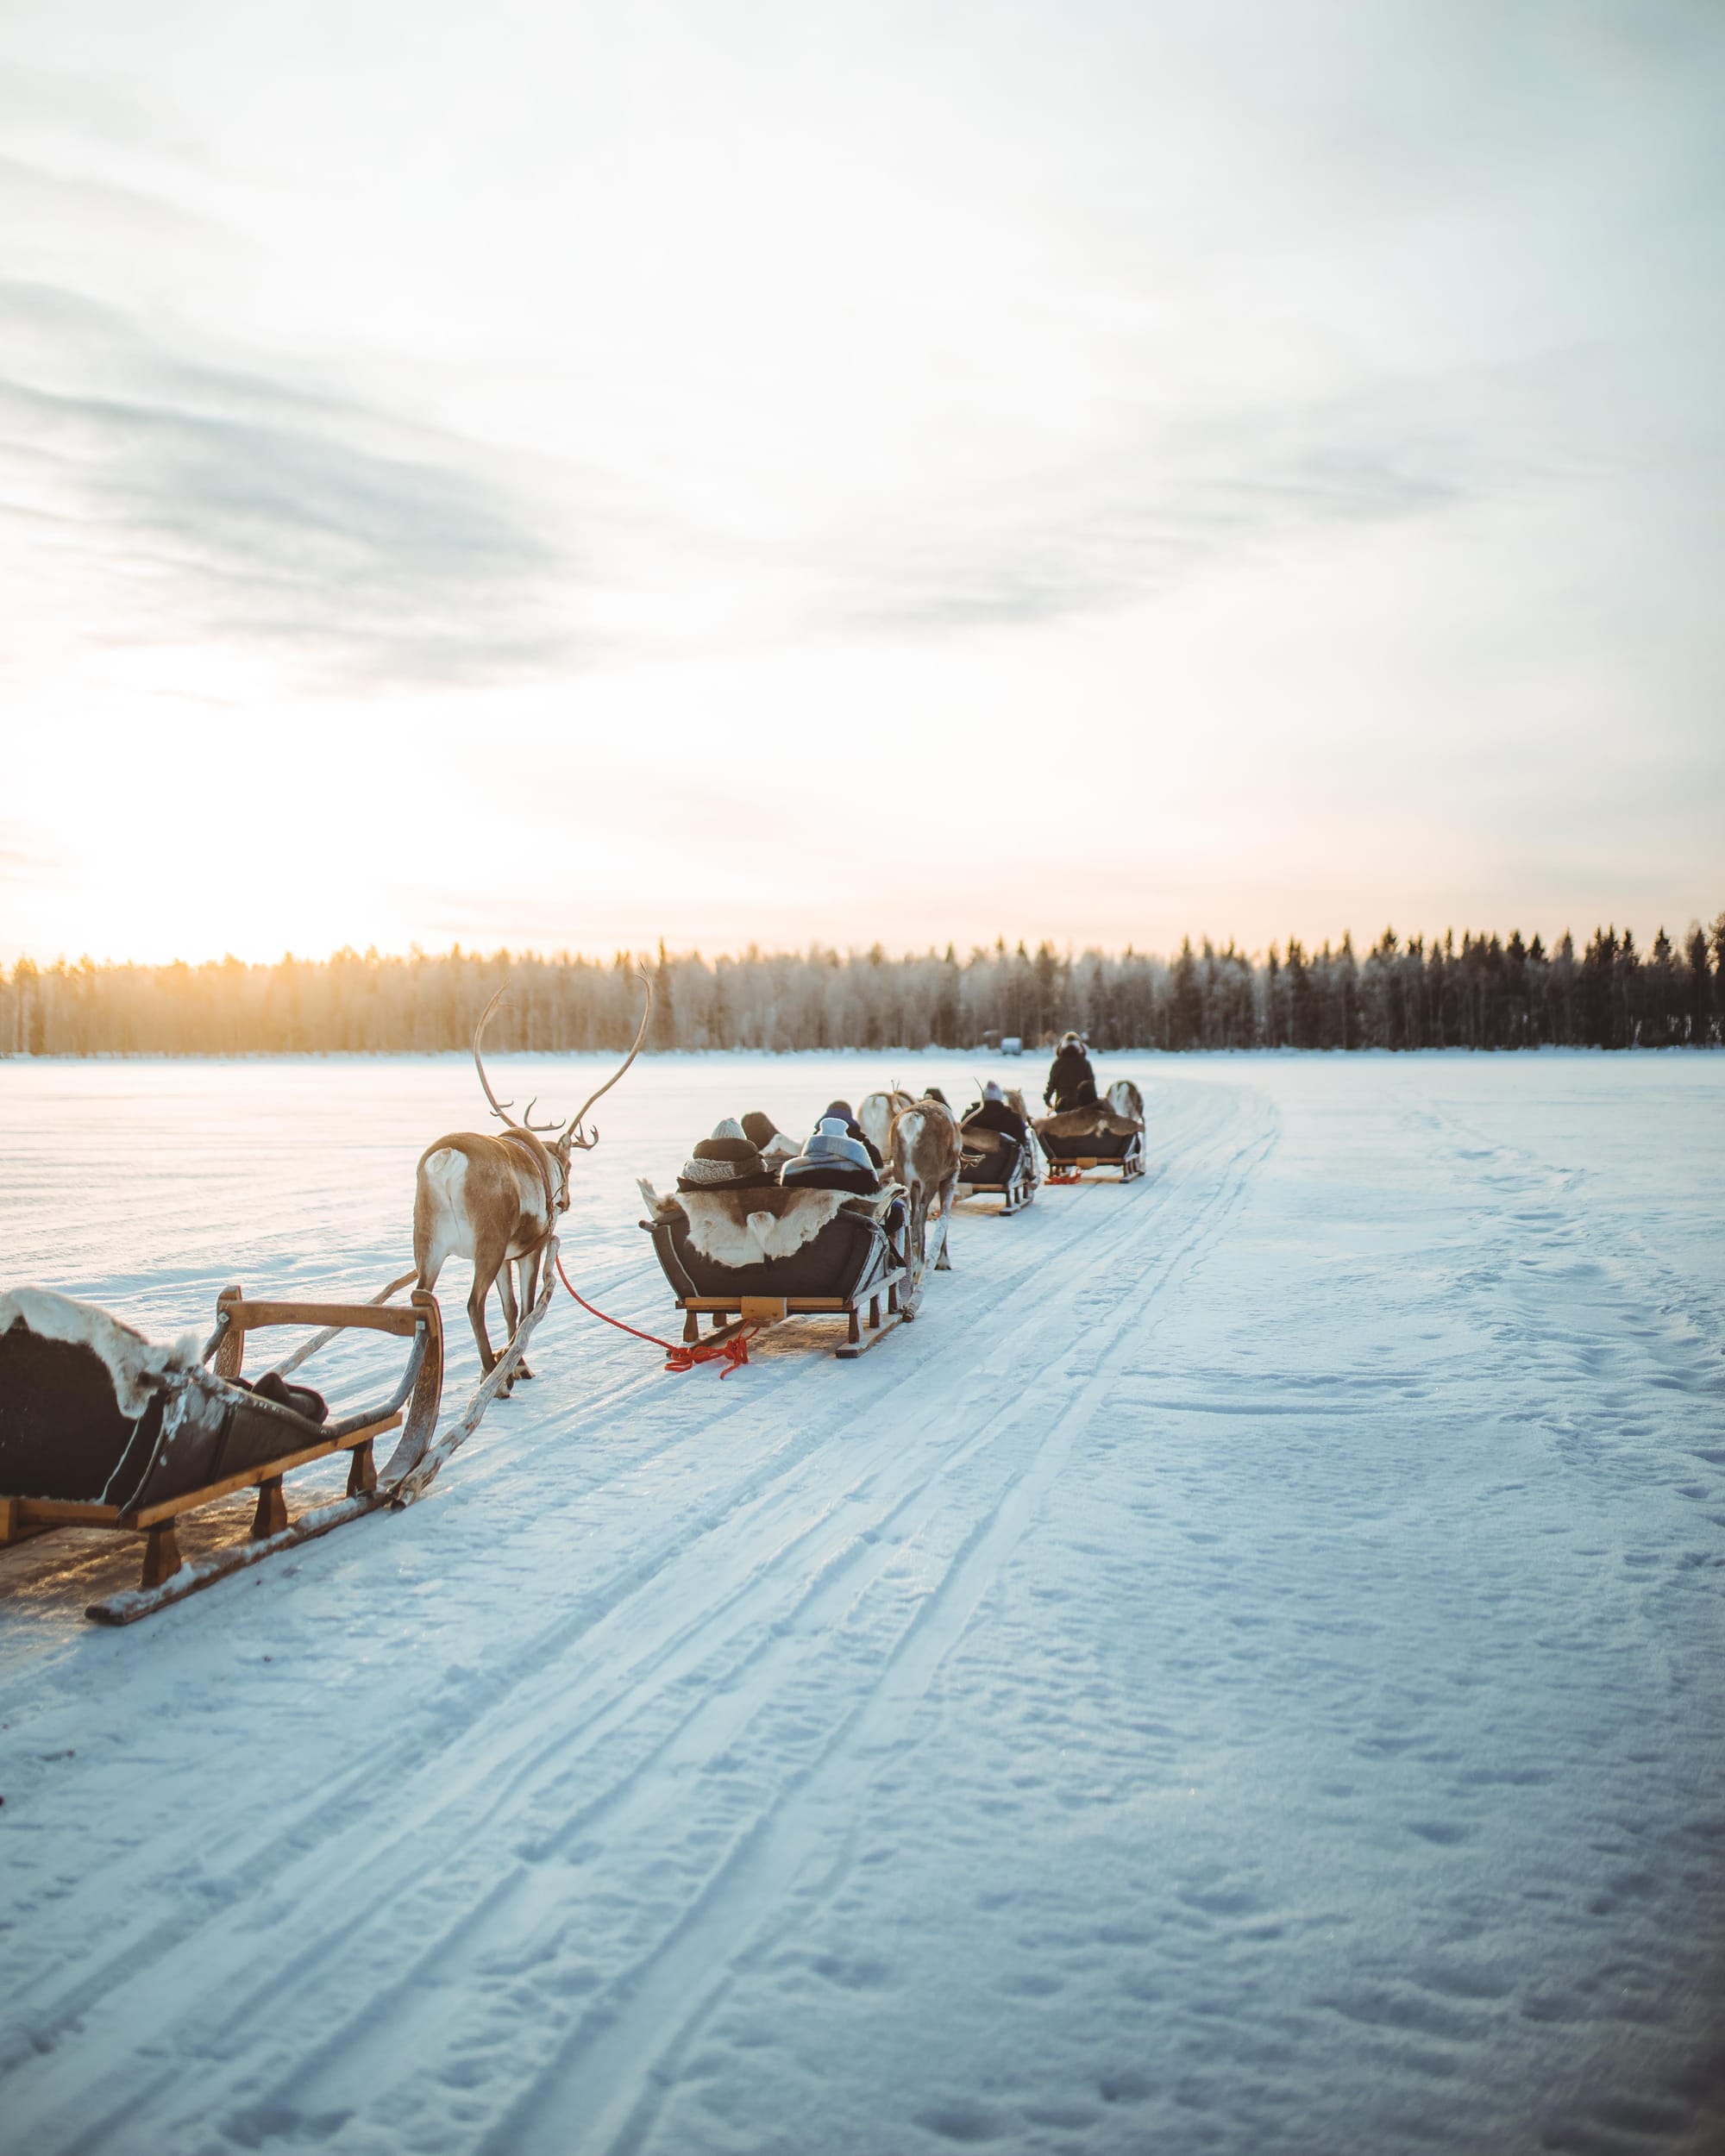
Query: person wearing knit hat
[[775, 1143], [839, 1110], [726, 1161], [832, 1159], [993, 1112]]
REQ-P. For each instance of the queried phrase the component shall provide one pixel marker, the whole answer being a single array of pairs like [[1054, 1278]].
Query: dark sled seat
[[1078, 1138], [995, 1162], [100, 1428], [776, 1252], [992, 1153]]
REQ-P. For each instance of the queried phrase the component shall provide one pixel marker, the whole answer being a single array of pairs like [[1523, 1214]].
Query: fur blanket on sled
[[132, 1362], [742, 1227], [1097, 1122]]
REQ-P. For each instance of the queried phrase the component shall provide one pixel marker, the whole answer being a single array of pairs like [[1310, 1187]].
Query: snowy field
[[1241, 1673]]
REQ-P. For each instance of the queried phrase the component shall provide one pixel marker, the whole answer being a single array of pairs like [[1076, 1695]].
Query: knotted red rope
[[1074, 1177], [680, 1355]]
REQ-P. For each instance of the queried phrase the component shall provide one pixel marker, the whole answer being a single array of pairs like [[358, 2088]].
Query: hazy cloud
[[227, 503]]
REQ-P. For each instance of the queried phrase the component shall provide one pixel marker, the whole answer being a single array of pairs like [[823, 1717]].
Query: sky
[[576, 475]]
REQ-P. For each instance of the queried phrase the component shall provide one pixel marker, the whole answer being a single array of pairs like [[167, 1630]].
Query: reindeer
[[1125, 1099], [874, 1113], [496, 1198], [924, 1153]]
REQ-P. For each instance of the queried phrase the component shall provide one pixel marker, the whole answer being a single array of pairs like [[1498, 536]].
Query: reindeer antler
[[572, 1131], [499, 1108]]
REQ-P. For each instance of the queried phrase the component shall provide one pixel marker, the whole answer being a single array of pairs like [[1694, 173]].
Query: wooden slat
[[267, 1471], [51, 1512], [364, 1317], [794, 1305]]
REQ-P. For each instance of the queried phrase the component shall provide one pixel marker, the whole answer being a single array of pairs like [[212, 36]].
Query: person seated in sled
[[997, 1113], [839, 1110], [1071, 1083], [729, 1159], [994, 1112], [775, 1145], [832, 1159]]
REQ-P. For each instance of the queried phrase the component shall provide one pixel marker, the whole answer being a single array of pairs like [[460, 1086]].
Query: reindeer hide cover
[[1097, 1122], [744, 1227], [132, 1361]]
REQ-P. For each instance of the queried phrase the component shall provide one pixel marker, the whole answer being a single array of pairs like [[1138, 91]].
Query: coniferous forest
[[1483, 991]]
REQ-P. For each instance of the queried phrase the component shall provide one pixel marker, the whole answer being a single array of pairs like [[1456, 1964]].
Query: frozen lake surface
[[1241, 1673]]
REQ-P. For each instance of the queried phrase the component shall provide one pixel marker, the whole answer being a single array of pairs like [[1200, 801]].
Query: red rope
[[1074, 1177], [732, 1351]]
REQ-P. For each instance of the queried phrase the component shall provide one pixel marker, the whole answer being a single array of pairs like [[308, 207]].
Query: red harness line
[[679, 1356]]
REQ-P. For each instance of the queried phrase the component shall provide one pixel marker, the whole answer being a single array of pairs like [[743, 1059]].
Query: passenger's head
[[992, 1091], [838, 1109]]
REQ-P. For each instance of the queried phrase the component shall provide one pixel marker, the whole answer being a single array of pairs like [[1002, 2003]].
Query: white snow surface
[[1240, 1673]]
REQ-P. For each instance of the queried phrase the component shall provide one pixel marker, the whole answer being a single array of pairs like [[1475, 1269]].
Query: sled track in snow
[[736, 1606]]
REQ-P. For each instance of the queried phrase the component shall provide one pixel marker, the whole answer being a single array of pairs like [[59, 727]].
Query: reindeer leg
[[948, 1193], [527, 1273], [511, 1313], [488, 1262]]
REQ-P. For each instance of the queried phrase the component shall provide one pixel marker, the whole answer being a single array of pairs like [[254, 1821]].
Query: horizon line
[[854, 953]]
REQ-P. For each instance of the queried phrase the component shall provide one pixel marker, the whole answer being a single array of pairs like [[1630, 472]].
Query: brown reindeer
[[924, 1153], [495, 1199]]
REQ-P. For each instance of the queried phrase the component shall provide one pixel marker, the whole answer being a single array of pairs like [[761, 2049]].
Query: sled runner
[[995, 1164], [753, 1258], [100, 1429], [1083, 1138]]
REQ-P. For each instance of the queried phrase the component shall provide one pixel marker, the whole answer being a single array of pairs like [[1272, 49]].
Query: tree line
[[1485, 992]]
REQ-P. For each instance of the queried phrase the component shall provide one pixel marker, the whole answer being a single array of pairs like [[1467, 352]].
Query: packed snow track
[[1240, 1673]]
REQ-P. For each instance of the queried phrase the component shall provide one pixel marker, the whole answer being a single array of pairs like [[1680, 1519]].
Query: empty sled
[[1079, 1139], [750, 1257], [100, 1428]]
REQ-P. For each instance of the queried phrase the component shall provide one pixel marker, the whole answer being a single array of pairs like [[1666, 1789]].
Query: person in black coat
[[1071, 1083], [993, 1112]]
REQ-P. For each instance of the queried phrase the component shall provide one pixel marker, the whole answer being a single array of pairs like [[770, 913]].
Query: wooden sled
[[986, 1170], [755, 1257], [98, 1430], [1080, 1139]]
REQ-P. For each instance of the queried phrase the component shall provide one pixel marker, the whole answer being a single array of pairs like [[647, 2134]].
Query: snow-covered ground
[[1241, 1673]]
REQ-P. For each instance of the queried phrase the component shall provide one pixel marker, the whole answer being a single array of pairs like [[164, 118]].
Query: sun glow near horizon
[[1143, 479]]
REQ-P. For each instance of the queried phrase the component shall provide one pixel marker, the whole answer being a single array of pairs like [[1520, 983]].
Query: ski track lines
[[672, 1670], [610, 2072]]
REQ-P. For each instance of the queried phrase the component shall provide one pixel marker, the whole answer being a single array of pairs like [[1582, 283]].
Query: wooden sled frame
[[1070, 1169], [762, 1311], [421, 1320], [1016, 1193]]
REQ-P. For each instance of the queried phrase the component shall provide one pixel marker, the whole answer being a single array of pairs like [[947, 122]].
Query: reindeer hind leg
[[527, 1273], [948, 1193], [487, 1263], [511, 1313]]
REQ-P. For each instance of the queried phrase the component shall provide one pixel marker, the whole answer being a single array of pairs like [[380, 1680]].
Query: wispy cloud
[[229, 502]]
